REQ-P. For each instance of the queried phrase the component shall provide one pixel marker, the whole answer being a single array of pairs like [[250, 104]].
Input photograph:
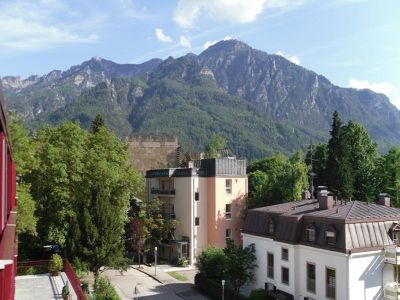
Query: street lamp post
[[223, 287], [155, 261]]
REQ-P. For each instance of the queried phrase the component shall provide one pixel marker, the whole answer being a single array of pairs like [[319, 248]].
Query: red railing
[[69, 271], [74, 280]]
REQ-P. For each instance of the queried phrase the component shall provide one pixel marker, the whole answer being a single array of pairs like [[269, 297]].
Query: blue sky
[[352, 42]]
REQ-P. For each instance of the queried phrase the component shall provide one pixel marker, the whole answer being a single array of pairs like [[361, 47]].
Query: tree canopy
[[82, 187], [276, 179]]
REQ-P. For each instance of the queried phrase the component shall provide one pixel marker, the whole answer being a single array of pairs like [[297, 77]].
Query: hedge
[[214, 289]]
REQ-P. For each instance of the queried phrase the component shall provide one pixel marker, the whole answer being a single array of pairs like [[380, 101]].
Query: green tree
[[388, 171], [157, 227], [57, 183], [320, 158], [211, 263], [240, 262], [107, 184], [97, 123], [276, 179], [339, 173], [216, 143], [82, 187], [362, 158], [23, 154]]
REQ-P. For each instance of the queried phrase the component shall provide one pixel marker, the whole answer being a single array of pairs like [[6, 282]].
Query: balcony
[[392, 291], [163, 192], [392, 255]]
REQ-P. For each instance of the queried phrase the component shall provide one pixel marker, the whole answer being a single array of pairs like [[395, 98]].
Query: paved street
[[162, 286]]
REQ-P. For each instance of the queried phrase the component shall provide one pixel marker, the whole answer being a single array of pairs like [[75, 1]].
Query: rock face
[[260, 102], [38, 95]]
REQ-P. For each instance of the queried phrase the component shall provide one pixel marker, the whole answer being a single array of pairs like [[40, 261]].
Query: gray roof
[[358, 225]]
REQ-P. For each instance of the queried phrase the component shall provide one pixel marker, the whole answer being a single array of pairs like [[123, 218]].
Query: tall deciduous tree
[[23, 154], [82, 186], [240, 262], [276, 179]]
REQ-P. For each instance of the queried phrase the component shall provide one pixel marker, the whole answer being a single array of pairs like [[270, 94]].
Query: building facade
[[208, 200], [8, 214], [326, 249]]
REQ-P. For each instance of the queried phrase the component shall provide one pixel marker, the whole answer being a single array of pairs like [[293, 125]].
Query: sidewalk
[[183, 289]]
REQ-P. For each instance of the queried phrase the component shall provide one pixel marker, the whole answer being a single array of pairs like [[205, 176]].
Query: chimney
[[321, 189], [384, 199], [305, 195], [324, 199]]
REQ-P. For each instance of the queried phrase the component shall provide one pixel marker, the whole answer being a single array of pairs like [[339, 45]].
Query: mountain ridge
[[289, 102]]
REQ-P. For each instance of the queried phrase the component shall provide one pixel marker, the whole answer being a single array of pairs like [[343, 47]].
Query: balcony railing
[[41, 267], [392, 255], [164, 192], [392, 291]]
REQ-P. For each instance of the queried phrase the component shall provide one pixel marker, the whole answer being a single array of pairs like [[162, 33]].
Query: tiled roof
[[359, 225], [342, 210]]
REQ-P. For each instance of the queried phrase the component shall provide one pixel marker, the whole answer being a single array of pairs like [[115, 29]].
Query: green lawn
[[177, 276]]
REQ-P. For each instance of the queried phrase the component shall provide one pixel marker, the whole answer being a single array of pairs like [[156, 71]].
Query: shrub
[[182, 262], [55, 264], [80, 268], [214, 289], [258, 294], [103, 290], [211, 263]]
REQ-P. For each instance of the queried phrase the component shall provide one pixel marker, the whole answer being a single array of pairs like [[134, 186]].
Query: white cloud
[[208, 44], [130, 9], [293, 58], [31, 26], [386, 88], [162, 37], [237, 11], [185, 42]]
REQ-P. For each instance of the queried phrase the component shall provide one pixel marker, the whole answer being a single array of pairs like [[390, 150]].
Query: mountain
[[40, 95], [260, 102]]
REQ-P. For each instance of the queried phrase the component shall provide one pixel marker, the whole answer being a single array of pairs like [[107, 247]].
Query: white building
[[207, 198], [326, 249]]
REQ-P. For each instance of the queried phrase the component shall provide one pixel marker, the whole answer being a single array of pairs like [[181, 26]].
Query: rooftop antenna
[[312, 174]]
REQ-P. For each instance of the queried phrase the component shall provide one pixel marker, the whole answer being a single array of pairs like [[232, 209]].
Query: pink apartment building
[[208, 199]]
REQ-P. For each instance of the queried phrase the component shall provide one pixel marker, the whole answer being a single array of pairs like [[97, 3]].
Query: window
[[270, 265], [310, 234], [196, 196], [285, 254], [285, 275], [271, 227], [228, 234], [228, 186], [330, 283], [228, 212], [197, 221], [330, 237], [172, 207], [311, 277]]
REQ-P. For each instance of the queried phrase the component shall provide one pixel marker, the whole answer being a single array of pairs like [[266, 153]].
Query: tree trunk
[[139, 259], [96, 274]]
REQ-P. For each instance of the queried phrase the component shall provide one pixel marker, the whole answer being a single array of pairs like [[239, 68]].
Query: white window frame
[[228, 186], [228, 214]]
